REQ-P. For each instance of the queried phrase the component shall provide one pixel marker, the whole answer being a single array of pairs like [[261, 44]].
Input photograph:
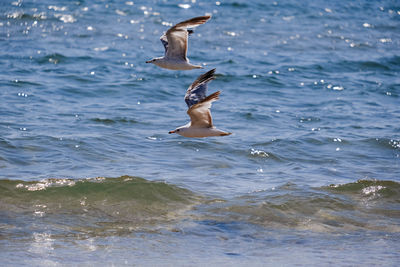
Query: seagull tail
[[212, 97], [225, 134]]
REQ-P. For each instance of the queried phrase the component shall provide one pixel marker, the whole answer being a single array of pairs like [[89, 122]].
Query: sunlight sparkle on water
[[184, 6], [65, 18]]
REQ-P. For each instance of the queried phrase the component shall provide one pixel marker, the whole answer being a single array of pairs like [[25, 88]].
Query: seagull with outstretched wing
[[175, 42], [199, 105]]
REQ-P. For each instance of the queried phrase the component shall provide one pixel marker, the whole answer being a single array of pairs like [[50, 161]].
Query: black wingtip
[[206, 77], [209, 73]]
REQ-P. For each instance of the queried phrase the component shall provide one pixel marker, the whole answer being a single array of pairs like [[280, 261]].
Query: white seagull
[[175, 42], [199, 105]]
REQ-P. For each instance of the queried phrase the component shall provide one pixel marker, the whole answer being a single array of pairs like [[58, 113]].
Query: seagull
[[199, 105], [175, 42]]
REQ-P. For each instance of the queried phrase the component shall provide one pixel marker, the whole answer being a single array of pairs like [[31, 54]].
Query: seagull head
[[175, 131], [156, 60], [179, 130]]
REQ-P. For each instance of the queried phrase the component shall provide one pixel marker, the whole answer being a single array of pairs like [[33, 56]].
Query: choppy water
[[311, 174]]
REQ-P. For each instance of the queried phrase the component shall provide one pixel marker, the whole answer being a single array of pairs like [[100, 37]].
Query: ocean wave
[[259, 153], [20, 15], [379, 64], [382, 143], [384, 190], [114, 121], [57, 58], [363, 205], [125, 204], [96, 204]]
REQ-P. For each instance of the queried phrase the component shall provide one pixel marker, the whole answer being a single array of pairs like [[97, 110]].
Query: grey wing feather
[[178, 34], [193, 22], [197, 91], [164, 41], [177, 43]]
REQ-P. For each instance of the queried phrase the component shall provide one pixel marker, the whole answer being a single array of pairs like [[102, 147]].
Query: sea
[[309, 177]]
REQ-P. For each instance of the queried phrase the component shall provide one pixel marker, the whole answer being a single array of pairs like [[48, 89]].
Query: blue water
[[310, 175]]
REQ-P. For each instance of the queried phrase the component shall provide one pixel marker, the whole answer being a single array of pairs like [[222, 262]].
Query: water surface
[[89, 174]]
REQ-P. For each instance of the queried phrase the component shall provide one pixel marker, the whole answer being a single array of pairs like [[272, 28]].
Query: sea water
[[90, 176]]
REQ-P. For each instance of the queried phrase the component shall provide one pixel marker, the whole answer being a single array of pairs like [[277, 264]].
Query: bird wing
[[200, 115], [197, 91], [164, 41], [178, 34]]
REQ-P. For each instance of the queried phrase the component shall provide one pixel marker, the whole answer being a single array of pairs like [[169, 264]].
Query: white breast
[[201, 132], [174, 64]]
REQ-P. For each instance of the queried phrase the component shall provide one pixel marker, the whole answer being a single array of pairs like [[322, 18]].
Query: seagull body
[[175, 42], [173, 64], [199, 105]]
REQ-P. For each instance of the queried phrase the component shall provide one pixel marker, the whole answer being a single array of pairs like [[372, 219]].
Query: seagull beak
[[170, 132], [148, 61]]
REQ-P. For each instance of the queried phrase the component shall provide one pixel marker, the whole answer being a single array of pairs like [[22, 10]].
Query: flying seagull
[[199, 105], [175, 42]]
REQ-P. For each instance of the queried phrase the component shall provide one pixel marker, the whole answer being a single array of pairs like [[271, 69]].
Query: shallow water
[[310, 175]]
